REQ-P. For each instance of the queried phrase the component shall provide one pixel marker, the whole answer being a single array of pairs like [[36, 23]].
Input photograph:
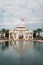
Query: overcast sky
[[11, 11]]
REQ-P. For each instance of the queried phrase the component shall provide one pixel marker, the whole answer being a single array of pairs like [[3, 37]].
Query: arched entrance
[[20, 35]]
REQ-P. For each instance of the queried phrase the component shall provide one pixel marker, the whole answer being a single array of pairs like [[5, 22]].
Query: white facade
[[20, 33]]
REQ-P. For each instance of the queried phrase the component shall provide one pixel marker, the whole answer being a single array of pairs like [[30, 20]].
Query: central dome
[[21, 25]]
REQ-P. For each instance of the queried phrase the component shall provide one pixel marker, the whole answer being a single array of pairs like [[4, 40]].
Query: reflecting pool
[[21, 53]]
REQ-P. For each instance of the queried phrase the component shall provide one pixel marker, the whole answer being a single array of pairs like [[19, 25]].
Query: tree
[[34, 34], [3, 30], [6, 31], [39, 30], [7, 34]]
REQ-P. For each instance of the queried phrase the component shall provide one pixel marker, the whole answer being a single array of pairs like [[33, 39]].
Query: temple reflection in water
[[19, 46], [21, 53]]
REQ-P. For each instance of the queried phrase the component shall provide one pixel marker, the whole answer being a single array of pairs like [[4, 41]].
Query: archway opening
[[20, 36]]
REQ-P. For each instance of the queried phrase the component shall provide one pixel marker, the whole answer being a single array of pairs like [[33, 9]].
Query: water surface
[[21, 53]]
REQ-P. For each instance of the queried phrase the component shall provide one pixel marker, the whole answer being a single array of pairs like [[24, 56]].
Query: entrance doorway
[[20, 36]]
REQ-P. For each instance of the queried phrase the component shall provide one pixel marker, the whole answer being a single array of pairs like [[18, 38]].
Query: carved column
[[17, 35], [13, 35], [32, 35], [9, 35]]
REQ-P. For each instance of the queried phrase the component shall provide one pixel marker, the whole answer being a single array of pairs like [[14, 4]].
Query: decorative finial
[[22, 19]]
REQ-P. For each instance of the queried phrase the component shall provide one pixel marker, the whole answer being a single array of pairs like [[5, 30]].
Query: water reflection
[[37, 46], [20, 46], [4, 45], [21, 53]]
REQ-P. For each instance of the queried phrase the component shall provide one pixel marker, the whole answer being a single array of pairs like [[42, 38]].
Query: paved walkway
[[22, 40]]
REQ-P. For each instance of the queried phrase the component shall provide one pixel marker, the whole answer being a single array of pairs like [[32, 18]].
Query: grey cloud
[[30, 10]]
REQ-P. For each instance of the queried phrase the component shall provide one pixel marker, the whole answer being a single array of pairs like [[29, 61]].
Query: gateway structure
[[21, 32]]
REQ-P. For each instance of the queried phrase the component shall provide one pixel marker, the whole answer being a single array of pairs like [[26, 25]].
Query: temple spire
[[21, 24], [22, 21]]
